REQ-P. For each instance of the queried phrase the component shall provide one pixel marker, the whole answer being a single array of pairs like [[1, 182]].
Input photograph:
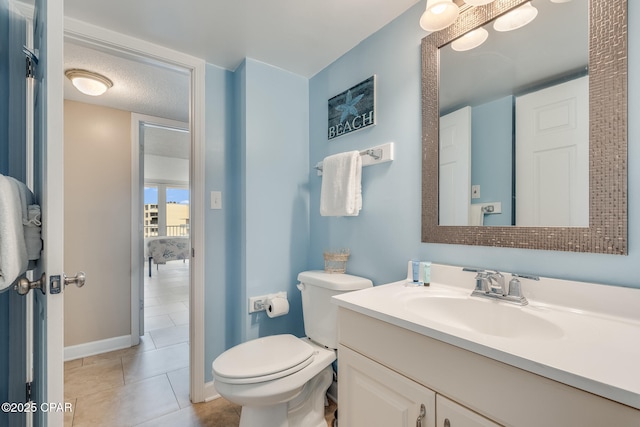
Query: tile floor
[[148, 385]]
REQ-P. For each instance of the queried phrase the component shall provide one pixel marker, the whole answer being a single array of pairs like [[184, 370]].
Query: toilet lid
[[263, 359]]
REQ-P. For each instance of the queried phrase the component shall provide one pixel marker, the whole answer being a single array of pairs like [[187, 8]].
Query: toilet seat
[[263, 359]]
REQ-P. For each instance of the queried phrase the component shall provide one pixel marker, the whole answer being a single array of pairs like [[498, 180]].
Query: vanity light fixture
[[517, 18], [88, 82], [470, 40], [479, 2], [439, 14]]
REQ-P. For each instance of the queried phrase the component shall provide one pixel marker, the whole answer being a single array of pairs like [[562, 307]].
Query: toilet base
[[306, 409], [267, 416]]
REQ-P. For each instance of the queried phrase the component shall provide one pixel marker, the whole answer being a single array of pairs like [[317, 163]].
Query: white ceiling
[[299, 36]]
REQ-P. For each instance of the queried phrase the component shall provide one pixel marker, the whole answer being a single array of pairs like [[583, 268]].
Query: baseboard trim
[[96, 347], [210, 392]]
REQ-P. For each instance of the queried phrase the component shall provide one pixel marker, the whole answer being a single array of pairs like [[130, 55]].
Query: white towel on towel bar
[[341, 192], [13, 250]]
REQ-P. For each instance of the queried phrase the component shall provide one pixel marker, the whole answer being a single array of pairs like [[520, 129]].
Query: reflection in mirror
[[603, 106], [523, 95]]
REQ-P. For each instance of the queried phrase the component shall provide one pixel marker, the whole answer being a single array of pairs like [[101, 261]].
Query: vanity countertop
[[595, 347]]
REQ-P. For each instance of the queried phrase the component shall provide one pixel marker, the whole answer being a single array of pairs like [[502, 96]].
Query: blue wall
[[387, 232], [275, 204], [266, 128], [492, 156], [257, 145], [220, 225]]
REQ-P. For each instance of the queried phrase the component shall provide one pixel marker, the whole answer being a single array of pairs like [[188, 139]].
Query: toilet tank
[[320, 314]]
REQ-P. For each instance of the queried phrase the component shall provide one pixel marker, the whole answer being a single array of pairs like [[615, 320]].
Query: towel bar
[[371, 156]]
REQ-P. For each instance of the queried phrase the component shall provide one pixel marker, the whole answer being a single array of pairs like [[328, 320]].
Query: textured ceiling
[[137, 87], [166, 142]]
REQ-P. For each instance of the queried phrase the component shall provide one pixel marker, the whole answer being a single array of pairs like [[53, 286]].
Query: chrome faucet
[[491, 284], [500, 287]]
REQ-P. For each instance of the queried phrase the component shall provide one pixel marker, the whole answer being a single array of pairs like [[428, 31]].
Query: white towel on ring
[[13, 250], [341, 192]]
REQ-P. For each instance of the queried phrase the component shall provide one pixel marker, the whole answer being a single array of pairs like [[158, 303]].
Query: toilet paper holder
[[260, 303]]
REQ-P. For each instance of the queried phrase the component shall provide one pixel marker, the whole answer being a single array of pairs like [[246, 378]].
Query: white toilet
[[281, 380]]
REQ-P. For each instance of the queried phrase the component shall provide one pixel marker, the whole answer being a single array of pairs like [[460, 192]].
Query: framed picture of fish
[[354, 109]]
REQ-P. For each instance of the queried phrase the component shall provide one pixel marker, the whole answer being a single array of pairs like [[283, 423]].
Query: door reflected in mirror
[[514, 124]]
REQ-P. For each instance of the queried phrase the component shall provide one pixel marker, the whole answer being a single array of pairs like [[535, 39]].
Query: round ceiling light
[[88, 82]]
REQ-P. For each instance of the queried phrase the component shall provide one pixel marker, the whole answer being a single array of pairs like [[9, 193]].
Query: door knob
[[79, 279], [23, 286]]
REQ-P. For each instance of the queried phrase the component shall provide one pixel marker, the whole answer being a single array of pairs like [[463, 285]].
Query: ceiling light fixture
[[470, 40], [439, 14], [516, 18], [88, 82]]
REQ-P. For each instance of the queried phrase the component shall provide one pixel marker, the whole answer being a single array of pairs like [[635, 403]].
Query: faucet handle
[[514, 284], [525, 276], [514, 287], [482, 279]]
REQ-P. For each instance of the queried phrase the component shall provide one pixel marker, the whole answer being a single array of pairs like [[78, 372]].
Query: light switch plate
[[216, 200]]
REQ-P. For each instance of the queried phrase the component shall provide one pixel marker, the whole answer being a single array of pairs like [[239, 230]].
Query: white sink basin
[[581, 334], [484, 316]]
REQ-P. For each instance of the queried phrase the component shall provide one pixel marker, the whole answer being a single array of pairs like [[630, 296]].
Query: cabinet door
[[451, 414], [369, 394]]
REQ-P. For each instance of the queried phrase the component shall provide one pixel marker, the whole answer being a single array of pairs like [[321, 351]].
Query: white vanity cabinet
[[450, 414], [386, 372], [373, 395]]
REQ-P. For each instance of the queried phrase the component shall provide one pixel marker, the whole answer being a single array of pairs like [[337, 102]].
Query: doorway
[[162, 200], [137, 50]]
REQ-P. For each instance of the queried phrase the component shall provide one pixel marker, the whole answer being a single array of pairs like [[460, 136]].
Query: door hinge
[[141, 304], [32, 61], [193, 252], [31, 68], [29, 391]]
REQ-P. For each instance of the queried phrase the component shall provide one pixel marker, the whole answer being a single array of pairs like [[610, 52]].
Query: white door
[[455, 168], [48, 366], [552, 156], [15, 308], [374, 395]]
